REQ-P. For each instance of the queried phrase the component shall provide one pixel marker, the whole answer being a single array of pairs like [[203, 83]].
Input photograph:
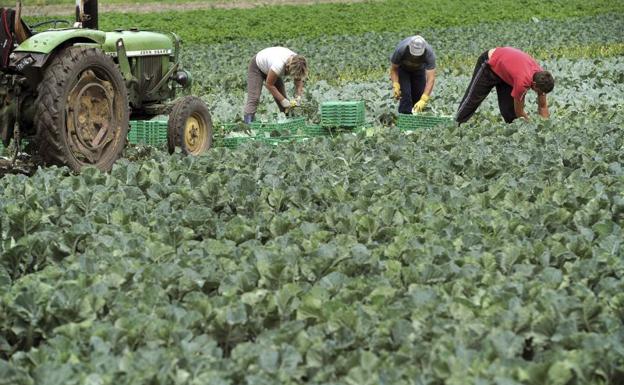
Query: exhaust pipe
[[87, 14]]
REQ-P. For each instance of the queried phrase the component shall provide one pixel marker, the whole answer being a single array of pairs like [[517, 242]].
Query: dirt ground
[[149, 7], [23, 165]]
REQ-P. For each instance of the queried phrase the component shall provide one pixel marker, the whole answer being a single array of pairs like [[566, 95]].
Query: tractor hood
[[46, 42], [139, 43]]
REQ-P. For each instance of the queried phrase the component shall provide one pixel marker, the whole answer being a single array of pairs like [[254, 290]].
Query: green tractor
[[71, 92]]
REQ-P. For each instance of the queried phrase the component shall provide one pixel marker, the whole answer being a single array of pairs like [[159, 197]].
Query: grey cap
[[417, 45]]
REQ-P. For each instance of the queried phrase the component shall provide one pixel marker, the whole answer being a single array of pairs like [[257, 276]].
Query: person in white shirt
[[270, 66]]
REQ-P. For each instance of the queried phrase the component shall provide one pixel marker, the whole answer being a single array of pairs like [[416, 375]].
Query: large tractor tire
[[82, 110], [190, 126]]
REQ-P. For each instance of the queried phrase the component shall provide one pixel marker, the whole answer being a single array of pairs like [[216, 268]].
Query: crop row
[[320, 20], [338, 59], [588, 86], [491, 252]]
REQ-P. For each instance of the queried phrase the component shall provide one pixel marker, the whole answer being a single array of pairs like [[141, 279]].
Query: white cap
[[417, 45]]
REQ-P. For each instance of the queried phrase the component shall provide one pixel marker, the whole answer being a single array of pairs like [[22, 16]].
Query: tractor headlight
[[183, 78]]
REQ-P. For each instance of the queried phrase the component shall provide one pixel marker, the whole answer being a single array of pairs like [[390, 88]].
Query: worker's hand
[[420, 105], [285, 103], [298, 100], [396, 90]]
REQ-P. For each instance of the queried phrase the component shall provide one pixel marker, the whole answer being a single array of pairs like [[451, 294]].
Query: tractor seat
[[13, 31]]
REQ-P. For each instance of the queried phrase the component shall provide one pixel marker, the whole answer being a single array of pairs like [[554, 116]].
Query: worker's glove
[[396, 90], [420, 105], [298, 100], [285, 103]]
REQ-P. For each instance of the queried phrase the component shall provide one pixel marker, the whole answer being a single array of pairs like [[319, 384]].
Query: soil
[[23, 165], [64, 10]]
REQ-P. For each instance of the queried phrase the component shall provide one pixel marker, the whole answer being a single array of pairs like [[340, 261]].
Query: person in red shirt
[[513, 73]]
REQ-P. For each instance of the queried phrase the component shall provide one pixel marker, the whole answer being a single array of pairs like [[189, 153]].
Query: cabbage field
[[486, 254]]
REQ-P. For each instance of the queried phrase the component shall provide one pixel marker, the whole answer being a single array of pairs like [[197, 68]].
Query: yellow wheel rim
[[195, 134]]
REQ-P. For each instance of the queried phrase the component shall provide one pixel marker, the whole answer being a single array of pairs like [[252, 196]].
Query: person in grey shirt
[[413, 74]]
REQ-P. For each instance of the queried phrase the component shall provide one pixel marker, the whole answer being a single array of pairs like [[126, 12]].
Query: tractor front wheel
[[82, 110], [190, 126]]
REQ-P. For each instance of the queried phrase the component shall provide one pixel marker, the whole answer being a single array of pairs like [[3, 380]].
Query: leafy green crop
[[486, 254], [279, 23]]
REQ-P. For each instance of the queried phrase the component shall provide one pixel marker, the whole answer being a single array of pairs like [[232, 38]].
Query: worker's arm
[[430, 74], [270, 85], [424, 98], [298, 88], [542, 106], [394, 73], [519, 109], [394, 77]]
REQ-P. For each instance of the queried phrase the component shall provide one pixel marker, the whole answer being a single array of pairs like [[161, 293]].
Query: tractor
[[71, 90]]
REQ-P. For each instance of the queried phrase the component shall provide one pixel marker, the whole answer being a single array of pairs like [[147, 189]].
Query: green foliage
[[493, 252], [279, 23], [220, 25], [339, 69], [486, 254]]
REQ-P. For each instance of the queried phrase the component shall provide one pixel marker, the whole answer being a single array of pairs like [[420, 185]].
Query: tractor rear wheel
[[190, 126], [82, 110]]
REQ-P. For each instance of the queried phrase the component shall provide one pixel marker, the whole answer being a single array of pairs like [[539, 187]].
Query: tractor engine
[[148, 61]]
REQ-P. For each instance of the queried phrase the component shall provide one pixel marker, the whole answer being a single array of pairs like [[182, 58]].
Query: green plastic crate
[[282, 139], [222, 129], [291, 125], [408, 122], [151, 132], [347, 114], [315, 130], [232, 142]]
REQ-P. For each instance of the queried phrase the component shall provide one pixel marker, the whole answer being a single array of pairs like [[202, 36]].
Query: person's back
[[515, 67], [513, 73], [273, 58]]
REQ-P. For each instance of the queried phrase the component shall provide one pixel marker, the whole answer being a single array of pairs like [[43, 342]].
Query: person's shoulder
[[404, 43]]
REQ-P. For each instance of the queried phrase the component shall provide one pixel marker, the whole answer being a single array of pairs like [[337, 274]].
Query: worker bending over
[[513, 73]]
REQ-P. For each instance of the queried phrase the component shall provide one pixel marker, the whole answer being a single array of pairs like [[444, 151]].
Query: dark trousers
[[482, 82], [412, 87], [255, 80]]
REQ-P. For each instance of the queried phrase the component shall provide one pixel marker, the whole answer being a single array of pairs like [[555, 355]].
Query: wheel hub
[[195, 134], [91, 119]]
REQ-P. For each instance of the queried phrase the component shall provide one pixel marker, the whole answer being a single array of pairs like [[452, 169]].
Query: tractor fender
[[46, 42], [35, 51]]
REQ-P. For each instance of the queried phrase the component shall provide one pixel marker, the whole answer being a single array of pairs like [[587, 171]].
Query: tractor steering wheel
[[55, 22]]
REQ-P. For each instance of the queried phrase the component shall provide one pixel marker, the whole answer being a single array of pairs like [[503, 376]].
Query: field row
[[488, 253], [341, 58], [403, 258], [232, 25], [588, 86]]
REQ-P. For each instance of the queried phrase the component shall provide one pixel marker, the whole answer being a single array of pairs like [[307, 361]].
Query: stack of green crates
[[408, 122], [345, 114], [151, 132]]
